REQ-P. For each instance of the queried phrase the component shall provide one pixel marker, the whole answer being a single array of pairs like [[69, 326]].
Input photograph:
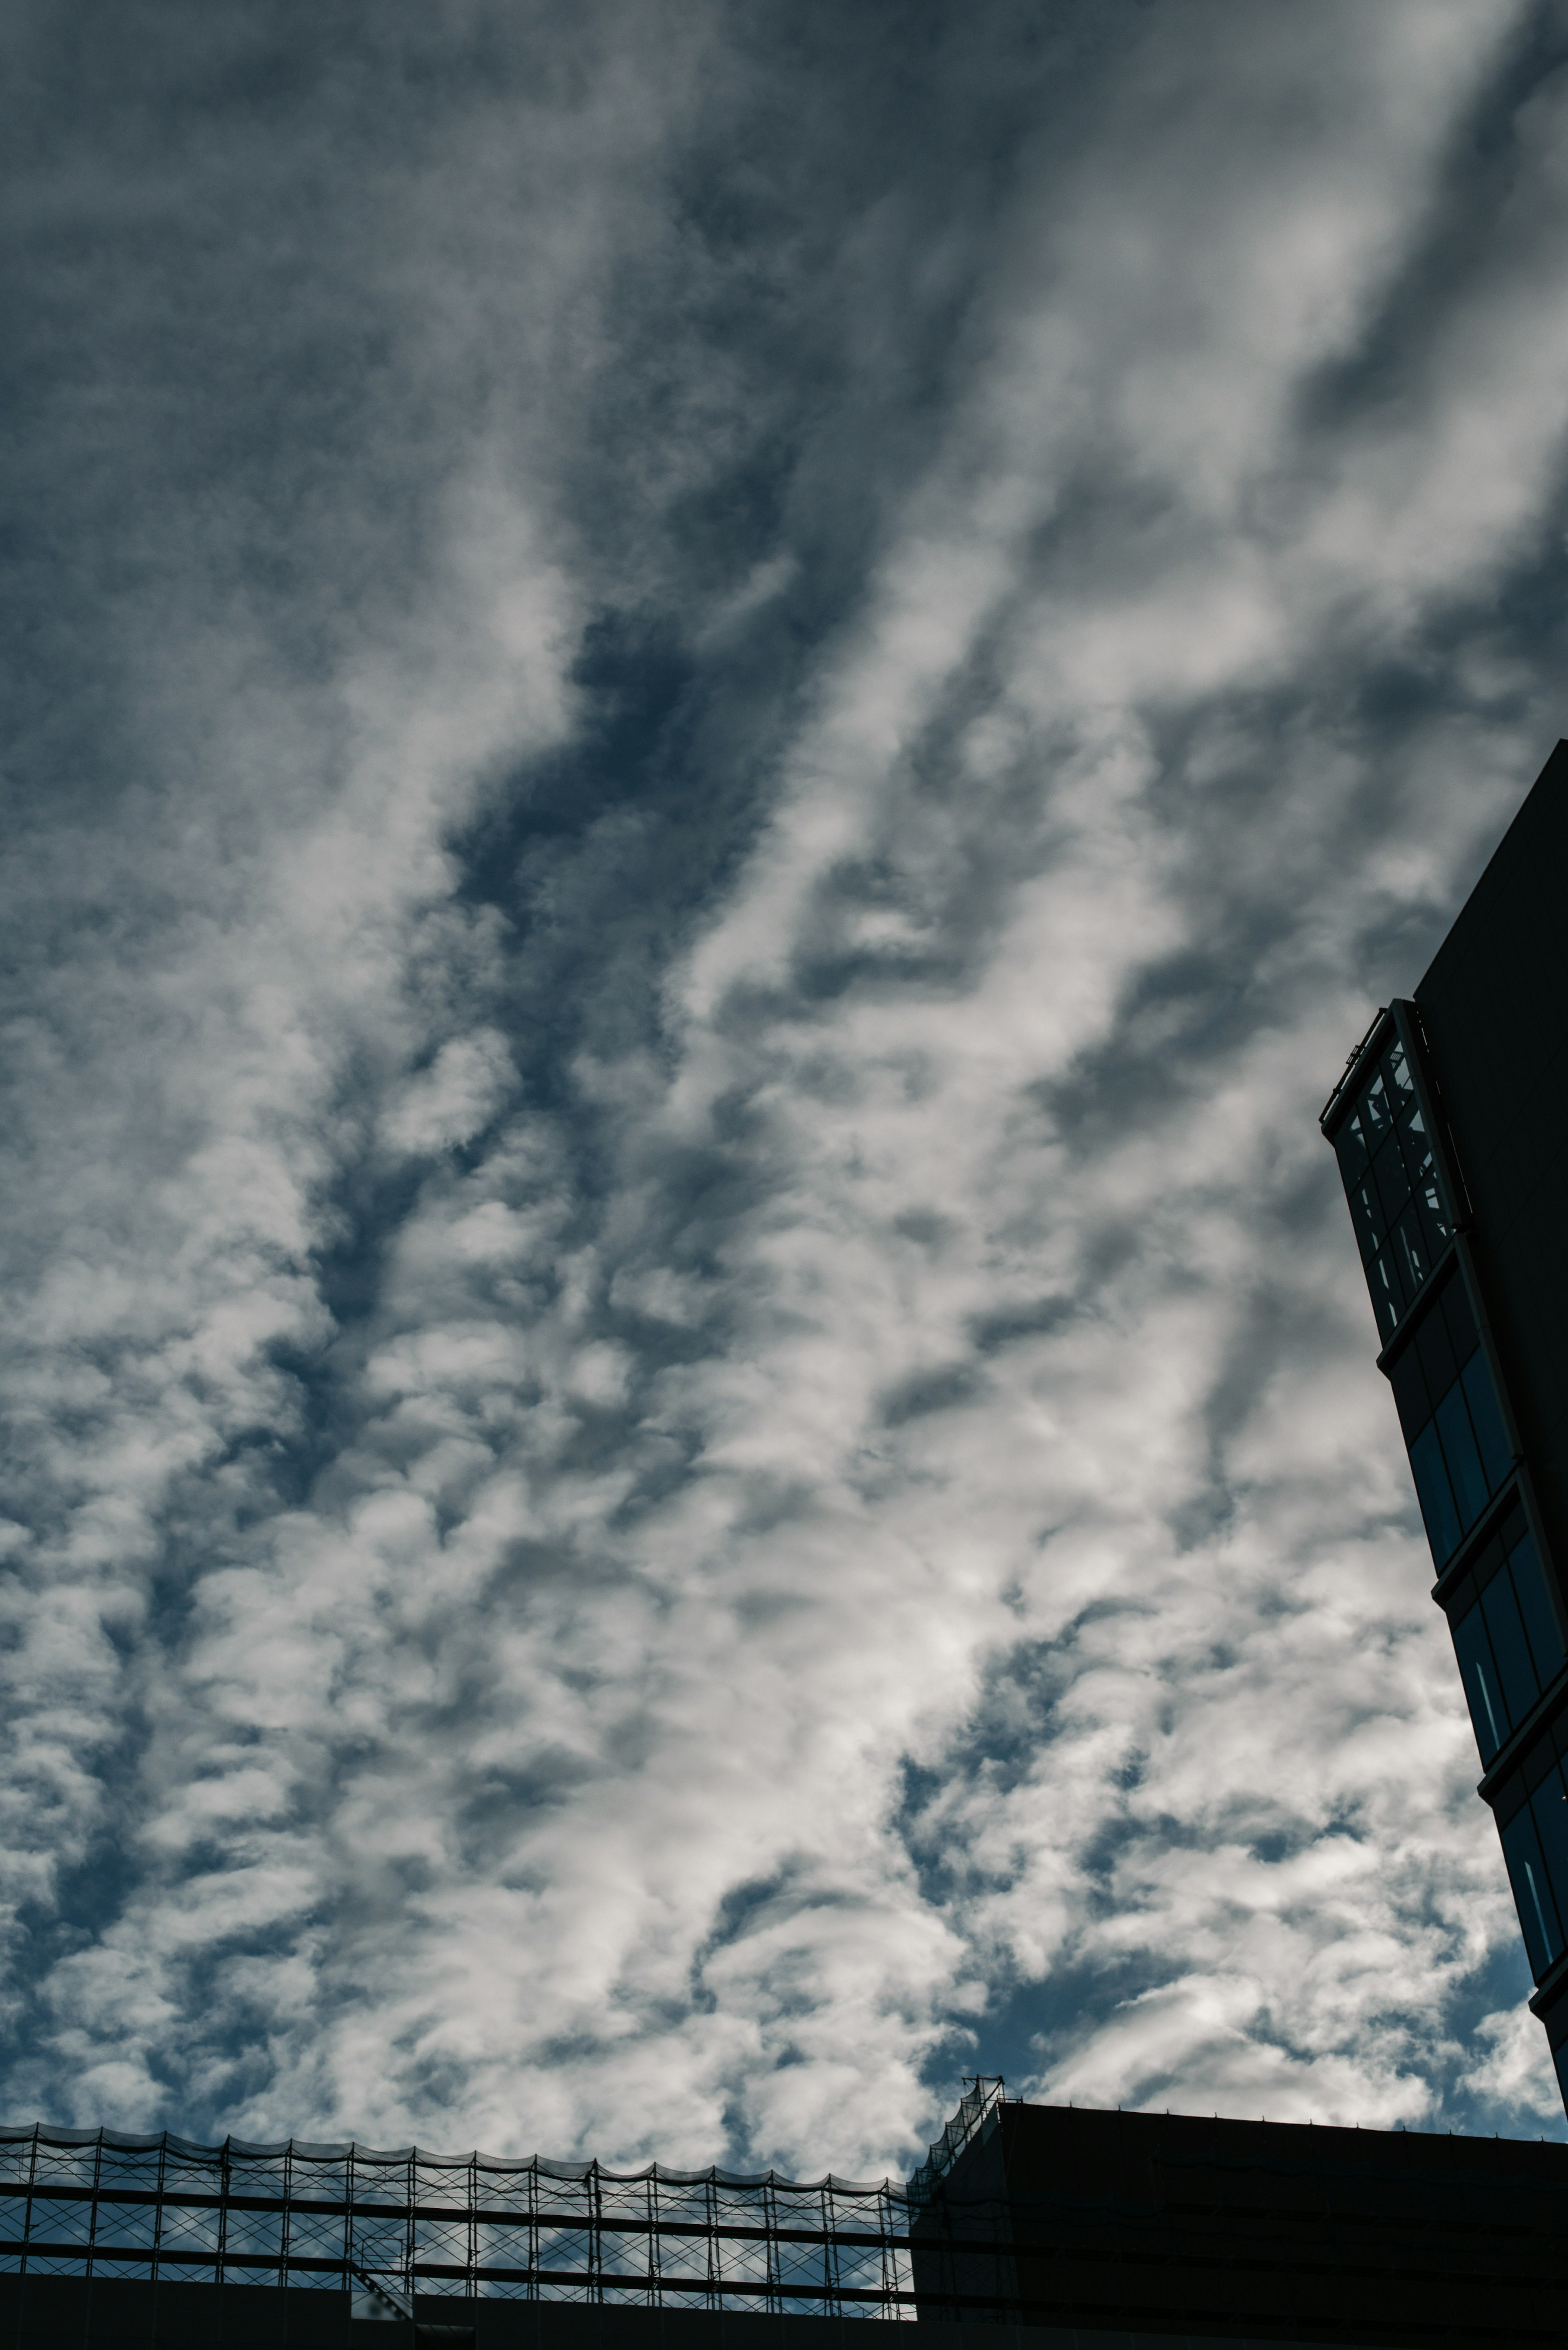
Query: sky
[[716, 718]]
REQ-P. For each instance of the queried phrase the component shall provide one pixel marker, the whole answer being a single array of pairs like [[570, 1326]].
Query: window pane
[[1434, 1219], [1490, 1560], [1452, 1421], [1436, 1351], [1388, 1299], [1485, 1417], [1509, 1646], [1532, 1893], [1415, 1263], [1412, 1143], [1457, 1313], [1434, 1227], [1409, 1392], [1393, 1183], [1374, 1114], [1366, 1214], [1402, 1087], [1411, 1125], [1479, 1677], [1417, 1145], [1535, 1608], [1550, 1806], [1350, 1149], [1432, 1492]]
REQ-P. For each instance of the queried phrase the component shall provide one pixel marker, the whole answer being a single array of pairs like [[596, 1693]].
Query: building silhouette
[[1451, 1132], [1080, 2227], [1063, 2228]]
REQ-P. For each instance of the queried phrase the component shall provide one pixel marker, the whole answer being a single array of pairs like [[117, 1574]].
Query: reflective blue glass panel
[[1549, 1810], [1536, 1611], [1448, 1411], [1505, 1630], [1483, 1694], [1532, 1891], [1485, 1417], [1461, 1455], [1435, 1494], [1506, 1635]]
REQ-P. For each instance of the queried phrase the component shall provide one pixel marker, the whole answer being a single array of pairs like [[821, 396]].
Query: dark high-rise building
[[1450, 1125]]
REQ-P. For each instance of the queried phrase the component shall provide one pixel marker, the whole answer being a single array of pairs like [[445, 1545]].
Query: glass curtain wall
[[1506, 1634], [1452, 1423], [1492, 1582]]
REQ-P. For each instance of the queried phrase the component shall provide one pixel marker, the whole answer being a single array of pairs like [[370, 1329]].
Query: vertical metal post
[[534, 2230], [92, 2238], [471, 2242], [92, 2206], [830, 2250], [714, 2298], [595, 2236], [772, 2270], [655, 2240], [157, 2205], [157, 2224], [220, 2252], [27, 2236], [284, 2232], [887, 2256], [27, 2214]]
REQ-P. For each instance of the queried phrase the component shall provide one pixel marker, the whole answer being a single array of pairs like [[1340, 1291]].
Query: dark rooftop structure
[[1450, 1125], [1142, 2226]]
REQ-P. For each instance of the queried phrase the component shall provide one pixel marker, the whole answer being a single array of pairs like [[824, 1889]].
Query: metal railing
[[1327, 1112], [973, 2119]]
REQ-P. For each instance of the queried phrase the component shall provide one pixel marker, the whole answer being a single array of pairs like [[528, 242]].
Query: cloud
[[456, 1098], [728, 715]]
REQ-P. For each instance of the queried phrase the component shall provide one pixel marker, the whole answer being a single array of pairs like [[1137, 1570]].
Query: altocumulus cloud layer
[[719, 717]]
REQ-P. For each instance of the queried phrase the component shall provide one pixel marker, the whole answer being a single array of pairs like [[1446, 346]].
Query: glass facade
[[1532, 1819], [1402, 1219], [1449, 1123], [1505, 1634], [1507, 1630], [1459, 1453]]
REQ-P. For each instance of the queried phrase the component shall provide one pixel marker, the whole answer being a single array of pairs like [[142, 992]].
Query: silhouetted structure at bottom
[[1093, 2226], [1052, 2229]]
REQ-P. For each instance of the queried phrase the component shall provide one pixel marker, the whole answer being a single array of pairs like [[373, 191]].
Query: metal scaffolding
[[80, 2203]]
